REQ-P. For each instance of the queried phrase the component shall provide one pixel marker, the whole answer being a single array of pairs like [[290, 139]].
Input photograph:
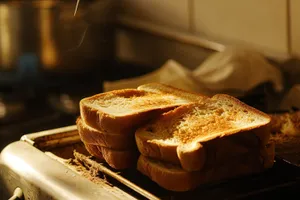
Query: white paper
[[292, 99], [233, 71], [171, 73], [237, 69]]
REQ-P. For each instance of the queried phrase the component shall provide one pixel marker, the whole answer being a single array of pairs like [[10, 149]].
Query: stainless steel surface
[[146, 49], [183, 37], [192, 38], [41, 177], [10, 109], [64, 103], [76, 7], [118, 177], [47, 140], [17, 195], [152, 44], [53, 138]]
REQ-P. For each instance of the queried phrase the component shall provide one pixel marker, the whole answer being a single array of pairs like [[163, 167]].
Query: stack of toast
[[108, 121], [176, 138], [201, 142]]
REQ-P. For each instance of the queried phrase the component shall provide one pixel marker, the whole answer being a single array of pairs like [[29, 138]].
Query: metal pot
[[43, 37]]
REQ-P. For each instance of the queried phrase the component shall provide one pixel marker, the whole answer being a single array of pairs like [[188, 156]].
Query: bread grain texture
[[173, 177], [160, 88], [286, 123], [181, 135], [93, 136]]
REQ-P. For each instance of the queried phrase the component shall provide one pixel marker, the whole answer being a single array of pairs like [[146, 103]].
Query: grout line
[[288, 26], [191, 16]]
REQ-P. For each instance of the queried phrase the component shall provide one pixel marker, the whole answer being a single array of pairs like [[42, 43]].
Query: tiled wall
[[172, 13], [294, 16], [259, 23], [270, 26]]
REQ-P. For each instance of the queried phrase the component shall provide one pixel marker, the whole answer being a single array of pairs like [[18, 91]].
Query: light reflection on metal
[[5, 37], [84, 33], [76, 7], [20, 166], [68, 103], [49, 52], [2, 110]]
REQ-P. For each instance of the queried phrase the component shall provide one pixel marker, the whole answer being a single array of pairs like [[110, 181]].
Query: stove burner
[[9, 110]]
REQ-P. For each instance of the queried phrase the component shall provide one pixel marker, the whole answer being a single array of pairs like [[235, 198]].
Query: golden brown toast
[[122, 111], [93, 136], [108, 121], [182, 135]]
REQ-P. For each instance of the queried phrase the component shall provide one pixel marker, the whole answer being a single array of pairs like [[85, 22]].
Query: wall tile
[[261, 24], [172, 13], [153, 51], [295, 27]]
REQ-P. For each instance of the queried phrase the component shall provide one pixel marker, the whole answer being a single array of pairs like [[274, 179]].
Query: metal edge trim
[[50, 175], [169, 33], [31, 138], [187, 37]]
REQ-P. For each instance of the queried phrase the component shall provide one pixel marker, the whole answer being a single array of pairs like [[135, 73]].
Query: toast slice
[[94, 151], [114, 158], [173, 177], [122, 111], [182, 135], [93, 136]]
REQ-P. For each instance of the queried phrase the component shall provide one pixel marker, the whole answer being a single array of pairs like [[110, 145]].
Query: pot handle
[[18, 194]]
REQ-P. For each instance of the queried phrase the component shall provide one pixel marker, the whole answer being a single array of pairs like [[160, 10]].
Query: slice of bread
[[93, 136], [94, 151], [122, 111], [181, 135], [117, 159], [173, 177]]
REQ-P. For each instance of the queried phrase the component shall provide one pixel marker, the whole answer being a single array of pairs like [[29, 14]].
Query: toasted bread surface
[[93, 136], [173, 177], [167, 89], [173, 135], [117, 159], [121, 111], [286, 123]]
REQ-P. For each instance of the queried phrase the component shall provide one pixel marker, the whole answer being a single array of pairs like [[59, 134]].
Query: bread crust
[[175, 179], [96, 137], [156, 150], [93, 150], [216, 151], [114, 158], [186, 156]]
